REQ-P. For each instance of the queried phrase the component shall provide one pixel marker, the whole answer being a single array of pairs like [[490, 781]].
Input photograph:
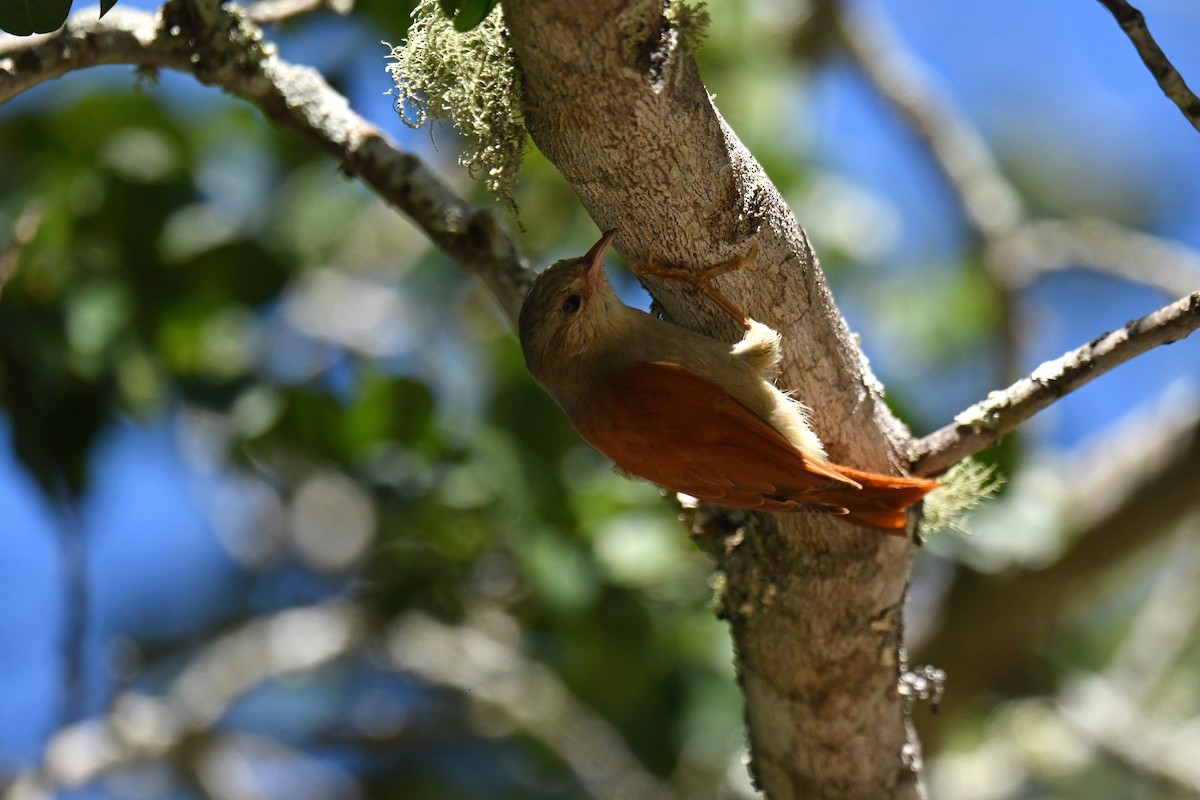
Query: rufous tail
[[882, 502]]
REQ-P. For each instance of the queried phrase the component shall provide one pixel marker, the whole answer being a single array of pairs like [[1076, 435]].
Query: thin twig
[[986, 422], [1169, 80], [1014, 248], [297, 98]]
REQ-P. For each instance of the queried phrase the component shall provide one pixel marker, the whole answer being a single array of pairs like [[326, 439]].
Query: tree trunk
[[815, 605]]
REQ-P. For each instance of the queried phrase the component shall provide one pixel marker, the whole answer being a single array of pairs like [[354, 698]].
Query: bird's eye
[[571, 304]]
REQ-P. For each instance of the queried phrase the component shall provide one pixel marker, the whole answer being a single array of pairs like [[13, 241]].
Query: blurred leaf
[[382, 411], [95, 316], [561, 574], [470, 13], [105, 5], [23, 17], [397, 410], [467, 14], [58, 411], [392, 17]]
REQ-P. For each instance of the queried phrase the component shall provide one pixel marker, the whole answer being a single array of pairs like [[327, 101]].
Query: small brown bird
[[686, 411]]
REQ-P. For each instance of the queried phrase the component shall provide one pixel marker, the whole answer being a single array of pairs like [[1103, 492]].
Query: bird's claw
[[703, 280]]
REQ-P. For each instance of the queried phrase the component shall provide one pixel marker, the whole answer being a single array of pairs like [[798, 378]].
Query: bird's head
[[568, 311]]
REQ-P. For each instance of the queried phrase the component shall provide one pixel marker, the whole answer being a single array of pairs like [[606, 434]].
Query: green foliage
[[387, 15], [690, 23], [23, 17], [157, 282], [108, 315], [467, 14]]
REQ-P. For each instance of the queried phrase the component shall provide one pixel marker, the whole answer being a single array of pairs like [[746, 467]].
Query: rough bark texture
[[815, 605]]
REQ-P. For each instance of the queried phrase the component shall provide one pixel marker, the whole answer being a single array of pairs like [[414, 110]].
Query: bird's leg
[[703, 280]]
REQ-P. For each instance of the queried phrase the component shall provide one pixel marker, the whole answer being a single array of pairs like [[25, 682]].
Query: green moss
[[471, 78]]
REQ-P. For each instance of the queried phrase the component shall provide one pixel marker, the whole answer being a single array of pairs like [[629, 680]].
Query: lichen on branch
[[470, 77], [964, 487]]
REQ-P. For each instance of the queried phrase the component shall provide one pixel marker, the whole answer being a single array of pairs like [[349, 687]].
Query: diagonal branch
[[986, 422], [1169, 80], [1014, 248], [1118, 726], [991, 205], [299, 100]]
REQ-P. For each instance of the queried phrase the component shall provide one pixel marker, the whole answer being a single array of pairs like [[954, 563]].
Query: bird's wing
[[660, 421]]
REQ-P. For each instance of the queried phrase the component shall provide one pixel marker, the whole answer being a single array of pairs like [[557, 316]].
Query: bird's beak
[[593, 260]]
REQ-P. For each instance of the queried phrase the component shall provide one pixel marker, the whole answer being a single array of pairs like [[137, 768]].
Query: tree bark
[[815, 606]]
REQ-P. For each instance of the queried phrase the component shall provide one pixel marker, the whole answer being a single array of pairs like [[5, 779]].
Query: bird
[[695, 415]]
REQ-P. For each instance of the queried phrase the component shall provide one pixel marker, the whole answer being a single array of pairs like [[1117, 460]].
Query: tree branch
[[1109, 709], [1015, 249], [299, 100], [1117, 725], [267, 12], [1135, 495], [991, 205], [1164, 626], [1169, 80], [815, 607], [986, 422]]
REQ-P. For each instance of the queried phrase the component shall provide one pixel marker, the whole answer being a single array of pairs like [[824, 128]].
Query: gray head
[[566, 310]]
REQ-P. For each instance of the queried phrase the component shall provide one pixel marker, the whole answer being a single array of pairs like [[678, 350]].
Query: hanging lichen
[[471, 78], [964, 487]]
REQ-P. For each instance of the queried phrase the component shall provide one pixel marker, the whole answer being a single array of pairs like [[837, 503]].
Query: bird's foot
[[703, 280]]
